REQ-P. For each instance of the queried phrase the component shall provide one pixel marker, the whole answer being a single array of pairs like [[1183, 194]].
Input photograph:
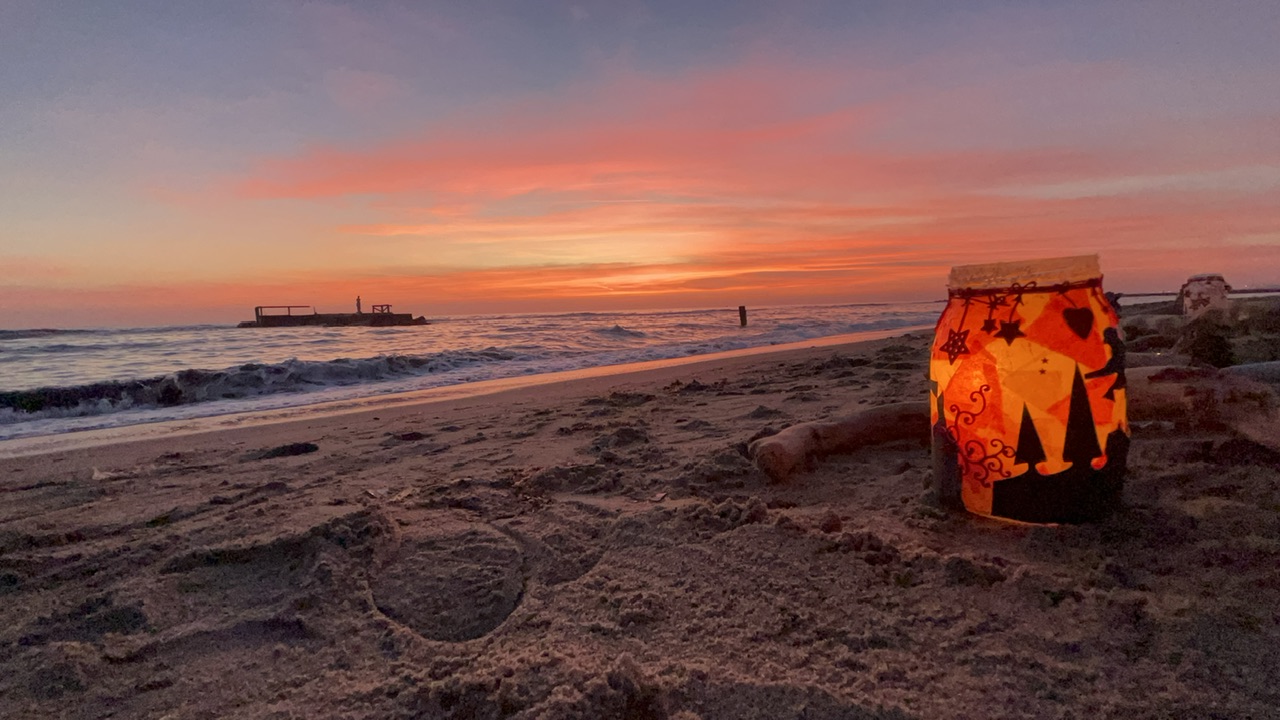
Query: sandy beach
[[603, 548]]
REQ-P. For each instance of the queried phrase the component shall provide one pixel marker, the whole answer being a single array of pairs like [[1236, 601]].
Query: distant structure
[[271, 316], [1204, 292]]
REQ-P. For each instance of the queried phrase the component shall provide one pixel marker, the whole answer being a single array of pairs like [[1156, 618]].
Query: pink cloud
[[753, 130], [778, 179]]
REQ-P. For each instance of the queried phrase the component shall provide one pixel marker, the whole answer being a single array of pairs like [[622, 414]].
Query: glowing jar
[[1028, 392]]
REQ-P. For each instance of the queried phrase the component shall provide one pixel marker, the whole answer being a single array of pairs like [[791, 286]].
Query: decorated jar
[[1028, 392]]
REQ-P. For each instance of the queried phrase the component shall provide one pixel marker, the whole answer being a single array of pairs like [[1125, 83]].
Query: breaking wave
[[250, 380], [619, 331]]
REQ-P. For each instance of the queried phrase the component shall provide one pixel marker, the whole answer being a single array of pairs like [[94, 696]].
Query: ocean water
[[61, 381]]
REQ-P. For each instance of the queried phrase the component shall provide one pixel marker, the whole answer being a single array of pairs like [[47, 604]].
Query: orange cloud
[[768, 181], [830, 270]]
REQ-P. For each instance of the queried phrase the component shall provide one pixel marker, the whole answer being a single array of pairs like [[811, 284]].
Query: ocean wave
[[619, 331], [38, 332], [66, 348], [248, 380]]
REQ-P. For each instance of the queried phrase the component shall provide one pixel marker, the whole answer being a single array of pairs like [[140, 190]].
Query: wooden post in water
[[742, 315]]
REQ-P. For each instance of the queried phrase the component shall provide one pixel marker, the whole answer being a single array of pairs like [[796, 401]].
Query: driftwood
[[797, 447]]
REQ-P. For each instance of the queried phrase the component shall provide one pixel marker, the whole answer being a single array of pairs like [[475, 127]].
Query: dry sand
[[601, 548]]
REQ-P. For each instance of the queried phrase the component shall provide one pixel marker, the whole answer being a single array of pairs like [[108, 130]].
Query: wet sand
[[602, 548]]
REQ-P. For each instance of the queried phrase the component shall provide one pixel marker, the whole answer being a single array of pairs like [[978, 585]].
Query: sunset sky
[[176, 161]]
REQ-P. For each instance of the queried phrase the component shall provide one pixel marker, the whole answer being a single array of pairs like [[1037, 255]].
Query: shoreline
[[30, 445]]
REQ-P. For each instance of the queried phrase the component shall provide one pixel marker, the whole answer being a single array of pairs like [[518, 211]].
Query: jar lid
[[1048, 271]]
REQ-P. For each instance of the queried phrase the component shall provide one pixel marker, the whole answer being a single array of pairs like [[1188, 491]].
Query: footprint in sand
[[452, 588]]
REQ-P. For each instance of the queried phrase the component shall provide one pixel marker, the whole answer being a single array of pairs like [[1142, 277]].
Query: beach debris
[[90, 620], [1206, 341], [576, 428], [621, 399], [1028, 389], [161, 520], [288, 450], [1204, 292], [689, 388], [796, 448], [830, 523], [867, 545], [570, 478], [964, 571], [726, 468], [1206, 399], [394, 439], [726, 515], [619, 438], [763, 413]]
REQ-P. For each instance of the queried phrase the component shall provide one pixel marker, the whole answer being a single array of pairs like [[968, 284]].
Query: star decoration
[[1009, 331], [989, 325], [955, 345]]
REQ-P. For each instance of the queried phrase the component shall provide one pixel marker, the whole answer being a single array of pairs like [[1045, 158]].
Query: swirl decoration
[[979, 462]]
